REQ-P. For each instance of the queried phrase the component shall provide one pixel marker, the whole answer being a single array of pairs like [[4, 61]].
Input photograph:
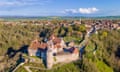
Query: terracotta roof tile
[[75, 51], [56, 40], [37, 44], [57, 46]]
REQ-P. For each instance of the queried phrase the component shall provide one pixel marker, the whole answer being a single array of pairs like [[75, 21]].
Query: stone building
[[36, 47], [54, 50]]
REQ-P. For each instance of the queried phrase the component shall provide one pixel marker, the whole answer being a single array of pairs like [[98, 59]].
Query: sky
[[59, 7]]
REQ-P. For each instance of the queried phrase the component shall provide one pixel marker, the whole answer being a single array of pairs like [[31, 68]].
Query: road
[[83, 44]]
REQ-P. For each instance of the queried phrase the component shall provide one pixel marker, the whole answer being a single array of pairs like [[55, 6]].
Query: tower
[[80, 21], [49, 59], [50, 54]]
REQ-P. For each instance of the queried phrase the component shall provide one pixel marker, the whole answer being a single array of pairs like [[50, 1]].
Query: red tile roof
[[52, 37], [36, 44], [56, 40], [57, 46], [75, 51]]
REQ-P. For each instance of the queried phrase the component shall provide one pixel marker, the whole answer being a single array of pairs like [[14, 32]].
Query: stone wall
[[32, 52], [66, 58]]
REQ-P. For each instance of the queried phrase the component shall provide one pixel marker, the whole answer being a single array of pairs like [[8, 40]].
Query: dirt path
[[27, 68], [45, 69], [18, 67]]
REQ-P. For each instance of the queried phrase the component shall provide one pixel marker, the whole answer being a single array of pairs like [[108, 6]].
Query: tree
[[70, 30]]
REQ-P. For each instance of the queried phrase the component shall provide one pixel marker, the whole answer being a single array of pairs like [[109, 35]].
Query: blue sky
[[60, 7]]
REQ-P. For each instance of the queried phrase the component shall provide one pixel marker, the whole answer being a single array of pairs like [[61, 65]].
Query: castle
[[54, 51]]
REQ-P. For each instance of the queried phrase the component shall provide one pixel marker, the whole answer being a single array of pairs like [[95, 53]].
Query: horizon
[[57, 16], [88, 8]]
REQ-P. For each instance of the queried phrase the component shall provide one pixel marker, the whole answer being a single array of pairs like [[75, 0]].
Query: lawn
[[21, 69], [102, 67]]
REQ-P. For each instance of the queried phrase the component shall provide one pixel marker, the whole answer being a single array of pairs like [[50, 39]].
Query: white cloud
[[81, 10], [88, 10], [71, 11]]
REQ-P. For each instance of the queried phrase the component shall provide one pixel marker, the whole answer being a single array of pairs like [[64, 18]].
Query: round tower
[[49, 59]]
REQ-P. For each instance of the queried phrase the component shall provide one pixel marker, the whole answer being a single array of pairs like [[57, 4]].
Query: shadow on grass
[[11, 52]]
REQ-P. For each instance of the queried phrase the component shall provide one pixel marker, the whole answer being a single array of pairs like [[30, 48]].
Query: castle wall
[[66, 58], [32, 52], [63, 44]]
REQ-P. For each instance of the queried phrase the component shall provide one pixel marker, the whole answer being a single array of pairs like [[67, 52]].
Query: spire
[[80, 21]]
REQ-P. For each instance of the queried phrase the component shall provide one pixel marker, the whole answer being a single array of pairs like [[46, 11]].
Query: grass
[[36, 70], [89, 55], [70, 38], [35, 57], [70, 67], [35, 64], [65, 68], [102, 67], [90, 46], [21, 69]]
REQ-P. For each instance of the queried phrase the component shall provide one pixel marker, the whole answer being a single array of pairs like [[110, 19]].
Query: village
[[100, 24]]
